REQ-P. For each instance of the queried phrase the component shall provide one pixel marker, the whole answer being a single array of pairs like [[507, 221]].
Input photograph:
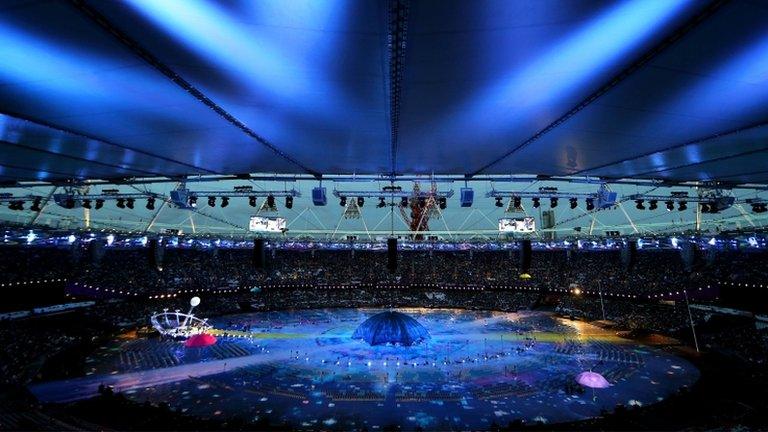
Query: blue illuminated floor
[[303, 368]]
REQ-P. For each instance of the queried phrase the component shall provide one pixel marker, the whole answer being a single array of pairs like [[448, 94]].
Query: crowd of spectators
[[322, 278], [653, 271]]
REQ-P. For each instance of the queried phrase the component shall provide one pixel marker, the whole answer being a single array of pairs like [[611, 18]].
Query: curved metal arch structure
[[178, 324]]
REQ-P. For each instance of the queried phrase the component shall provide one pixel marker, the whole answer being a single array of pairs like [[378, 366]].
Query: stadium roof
[[275, 94], [668, 89]]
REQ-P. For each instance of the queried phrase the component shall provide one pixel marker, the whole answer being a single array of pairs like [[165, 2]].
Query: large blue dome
[[391, 327]]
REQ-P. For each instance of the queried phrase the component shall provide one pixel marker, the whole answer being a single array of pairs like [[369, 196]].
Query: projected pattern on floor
[[303, 368]]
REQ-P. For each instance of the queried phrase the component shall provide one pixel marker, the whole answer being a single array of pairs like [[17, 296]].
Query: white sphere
[[195, 301]]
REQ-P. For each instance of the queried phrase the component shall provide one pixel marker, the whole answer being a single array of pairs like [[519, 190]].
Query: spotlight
[[759, 207], [86, 204], [639, 204], [129, 203], [270, 201], [224, 201], [150, 203], [404, 202], [289, 202], [252, 201], [552, 202], [516, 202], [704, 207], [36, 205], [193, 201], [121, 203], [16, 205], [343, 201], [590, 204], [574, 202], [212, 201], [360, 201], [69, 203], [670, 205], [536, 202], [653, 204], [382, 203], [99, 203], [682, 206], [499, 202], [443, 203]]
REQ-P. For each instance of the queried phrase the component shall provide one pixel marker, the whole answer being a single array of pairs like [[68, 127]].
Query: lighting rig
[[18, 202], [70, 199], [709, 201], [441, 197], [604, 198], [184, 198]]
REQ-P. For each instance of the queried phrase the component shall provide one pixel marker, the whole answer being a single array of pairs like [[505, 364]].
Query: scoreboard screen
[[517, 225], [266, 224]]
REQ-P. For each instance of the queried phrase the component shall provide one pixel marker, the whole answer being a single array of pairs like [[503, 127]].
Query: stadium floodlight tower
[[177, 324]]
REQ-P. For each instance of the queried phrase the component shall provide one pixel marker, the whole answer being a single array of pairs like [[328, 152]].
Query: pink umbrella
[[592, 380], [200, 340]]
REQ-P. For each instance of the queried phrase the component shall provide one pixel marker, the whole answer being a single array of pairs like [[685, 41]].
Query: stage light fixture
[[343, 201], [270, 201], [404, 202], [670, 205], [552, 202], [573, 202], [516, 202], [360, 201], [121, 203], [704, 207], [99, 203], [640, 204], [499, 202], [224, 201], [443, 203], [536, 202], [252, 201], [129, 203], [87, 204], [150, 203], [653, 204], [590, 204], [193, 201], [289, 202], [69, 203], [382, 203], [682, 206], [212, 201], [36, 205]]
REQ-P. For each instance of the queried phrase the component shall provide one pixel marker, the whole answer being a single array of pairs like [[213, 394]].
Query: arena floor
[[302, 368]]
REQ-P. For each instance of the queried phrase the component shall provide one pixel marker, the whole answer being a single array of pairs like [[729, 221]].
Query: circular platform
[[393, 328]]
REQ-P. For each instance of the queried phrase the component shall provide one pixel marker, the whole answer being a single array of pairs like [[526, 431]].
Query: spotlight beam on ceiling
[[757, 125], [161, 67], [77, 158], [646, 57], [11, 117], [705, 161]]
